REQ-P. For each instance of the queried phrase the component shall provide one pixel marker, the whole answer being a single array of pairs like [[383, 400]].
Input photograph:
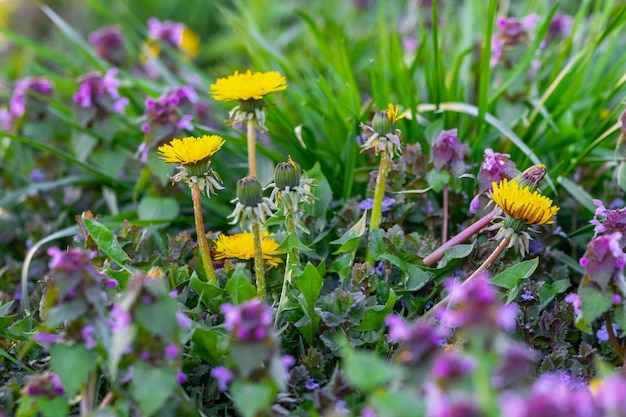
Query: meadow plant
[[396, 264]]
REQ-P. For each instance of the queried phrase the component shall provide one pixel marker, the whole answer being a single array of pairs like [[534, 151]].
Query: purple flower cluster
[[368, 204], [511, 32], [223, 376], [164, 117], [561, 25], [495, 167], [477, 304], [25, 96], [96, 90], [421, 340], [71, 260], [165, 31], [607, 221], [448, 153], [44, 385], [604, 260], [109, 44], [552, 396], [250, 321]]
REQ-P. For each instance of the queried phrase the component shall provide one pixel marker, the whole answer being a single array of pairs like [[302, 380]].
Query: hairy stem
[[504, 243], [458, 239], [203, 245], [379, 194], [612, 337], [251, 149], [258, 262], [293, 263]]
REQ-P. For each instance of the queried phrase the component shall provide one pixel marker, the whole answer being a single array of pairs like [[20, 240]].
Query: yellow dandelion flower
[[248, 86], [522, 204], [392, 114], [241, 246], [190, 42], [190, 150]]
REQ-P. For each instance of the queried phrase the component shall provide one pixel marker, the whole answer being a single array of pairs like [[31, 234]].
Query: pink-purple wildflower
[[250, 321], [223, 376], [109, 44], [448, 152], [101, 93], [604, 260]]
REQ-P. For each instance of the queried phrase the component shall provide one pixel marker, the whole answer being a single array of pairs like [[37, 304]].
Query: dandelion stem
[[444, 228], [203, 245], [258, 262], [293, 263], [379, 194], [458, 239], [612, 337], [504, 243], [252, 149]]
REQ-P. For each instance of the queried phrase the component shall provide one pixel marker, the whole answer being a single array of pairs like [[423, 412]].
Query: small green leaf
[[366, 370], [72, 364], [292, 241], [252, 398], [397, 403], [416, 278], [350, 239], [151, 387], [375, 315], [209, 293], [165, 309], [239, 287], [513, 276], [209, 344], [106, 241], [69, 310], [595, 303], [547, 292], [154, 208]]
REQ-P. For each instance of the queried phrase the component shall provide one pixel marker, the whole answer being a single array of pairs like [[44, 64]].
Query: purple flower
[[516, 364], [46, 339], [608, 221], [183, 321], [440, 405], [527, 296], [44, 385], [387, 203], [120, 319], [26, 90], [477, 304], [109, 44], [410, 43], [171, 351], [495, 167], [399, 330], [250, 321], [37, 176], [101, 92], [73, 259], [603, 335], [604, 259], [340, 407], [311, 384], [368, 412], [610, 396], [6, 120], [423, 341], [576, 302], [511, 32], [223, 377], [448, 153], [561, 25], [87, 335], [449, 366], [181, 377], [165, 31]]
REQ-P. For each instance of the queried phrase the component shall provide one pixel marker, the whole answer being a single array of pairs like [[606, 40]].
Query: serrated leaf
[[106, 241]]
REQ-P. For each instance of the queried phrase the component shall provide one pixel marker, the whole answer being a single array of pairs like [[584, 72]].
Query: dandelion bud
[[287, 174], [531, 177], [249, 191], [382, 123]]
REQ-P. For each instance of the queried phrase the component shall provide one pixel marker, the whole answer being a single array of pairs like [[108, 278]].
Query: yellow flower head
[[190, 150], [189, 42], [522, 204], [248, 86], [392, 114], [241, 246]]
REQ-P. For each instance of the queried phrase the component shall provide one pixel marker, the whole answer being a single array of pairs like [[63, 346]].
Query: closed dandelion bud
[[382, 123], [287, 174], [531, 177], [249, 191]]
